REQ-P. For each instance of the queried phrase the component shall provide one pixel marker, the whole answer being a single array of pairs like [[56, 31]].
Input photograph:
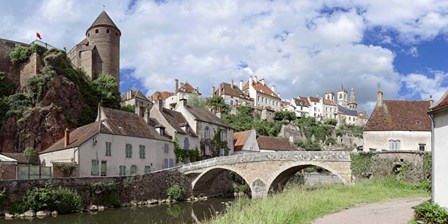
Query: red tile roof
[[240, 138], [187, 88], [275, 143], [160, 95], [226, 89], [314, 99], [302, 101], [116, 122], [398, 115], [441, 105], [260, 88], [134, 94], [329, 102]]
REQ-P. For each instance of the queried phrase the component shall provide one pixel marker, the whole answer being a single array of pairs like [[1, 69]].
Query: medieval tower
[[99, 52]]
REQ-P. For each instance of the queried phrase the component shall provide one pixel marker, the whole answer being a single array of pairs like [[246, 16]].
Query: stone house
[[245, 142], [136, 99], [274, 144], [206, 126], [398, 125], [439, 117], [184, 91], [175, 124], [118, 143]]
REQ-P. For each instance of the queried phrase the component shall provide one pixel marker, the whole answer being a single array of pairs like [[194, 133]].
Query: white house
[[264, 97], [439, 115], [233, 95], [398, 125], [245, 142], [184, 91], [302, 106], [118, 143], [175, 124], [207, 125]]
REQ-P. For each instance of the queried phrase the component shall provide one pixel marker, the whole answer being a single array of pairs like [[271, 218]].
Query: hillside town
[[63, 133]]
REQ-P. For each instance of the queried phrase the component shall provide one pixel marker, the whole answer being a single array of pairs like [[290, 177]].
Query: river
[[182, 212]]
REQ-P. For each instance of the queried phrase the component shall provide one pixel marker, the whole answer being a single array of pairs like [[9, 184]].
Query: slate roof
[[226, 89], [206, 116], [400, 115], [347, 111], [260, 88], [240, 138], [160, 95], [104, 20], [176, 120], [275, 143], [441, 105], [116, 122]]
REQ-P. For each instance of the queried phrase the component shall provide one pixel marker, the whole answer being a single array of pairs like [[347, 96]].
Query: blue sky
[[302, 47]]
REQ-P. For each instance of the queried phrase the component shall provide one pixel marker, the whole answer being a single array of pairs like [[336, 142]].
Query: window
[[166, 148], [165, 163], [103, 168], [147, 169], [96, 31], [223, 135], [340, 95], [128, 151], [108, 149], [421, 147], [171, 163], [186, 143], [94, 169], [107, 31], [133, 170], [122, 170], [142, 151], [394, 145], [221, 152], [207, 133]]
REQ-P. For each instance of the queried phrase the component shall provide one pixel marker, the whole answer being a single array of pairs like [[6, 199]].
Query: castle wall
[[30, 68], [107, 44]]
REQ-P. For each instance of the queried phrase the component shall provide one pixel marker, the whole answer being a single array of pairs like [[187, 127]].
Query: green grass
[[304, 204]]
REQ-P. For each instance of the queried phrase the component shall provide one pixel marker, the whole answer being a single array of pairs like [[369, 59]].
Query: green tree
[[106, 88], [128, 108], [196, 100], [29, 153], [218, 104]]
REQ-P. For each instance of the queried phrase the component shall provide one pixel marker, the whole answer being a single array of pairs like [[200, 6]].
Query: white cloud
[[422, 86], [290, 43]]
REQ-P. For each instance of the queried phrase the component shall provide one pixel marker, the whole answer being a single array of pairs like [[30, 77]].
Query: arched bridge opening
[[218, 182], [308, 174]]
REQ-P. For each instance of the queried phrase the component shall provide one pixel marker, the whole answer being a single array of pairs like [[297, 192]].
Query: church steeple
[[352, 100]]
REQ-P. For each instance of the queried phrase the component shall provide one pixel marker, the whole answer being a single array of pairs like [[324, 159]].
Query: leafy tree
[[29, 153], [106, 88], [196, 100], [128, 108], [218, 104]]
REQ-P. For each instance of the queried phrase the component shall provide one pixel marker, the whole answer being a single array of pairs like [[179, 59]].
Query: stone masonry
[[265, 171]]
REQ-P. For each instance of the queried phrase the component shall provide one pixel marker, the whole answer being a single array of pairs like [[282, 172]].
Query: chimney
[[146, 117], [129, 95], [273, 88], [255, 78], [183, 102], [241, 84], [379, 97], [213, 90], [431, 101], [232, 84], [159, 104], [251, 81], [177, 85], [67, 137]]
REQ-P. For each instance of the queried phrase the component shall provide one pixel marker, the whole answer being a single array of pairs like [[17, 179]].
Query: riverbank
[[304, 204]]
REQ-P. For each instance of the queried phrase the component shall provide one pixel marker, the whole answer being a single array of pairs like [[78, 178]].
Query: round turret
[[104, 36]]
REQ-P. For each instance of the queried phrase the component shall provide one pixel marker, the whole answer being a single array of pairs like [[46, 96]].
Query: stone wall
[[140, 187], [320, 178], [8, 172]]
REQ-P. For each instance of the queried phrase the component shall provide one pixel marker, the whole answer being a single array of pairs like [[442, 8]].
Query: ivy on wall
[[183, 154]]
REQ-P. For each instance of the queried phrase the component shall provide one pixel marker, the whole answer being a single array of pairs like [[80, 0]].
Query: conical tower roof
[[103, 20]]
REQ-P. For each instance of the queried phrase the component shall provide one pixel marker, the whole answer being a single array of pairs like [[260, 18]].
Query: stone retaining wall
[[140, 187]]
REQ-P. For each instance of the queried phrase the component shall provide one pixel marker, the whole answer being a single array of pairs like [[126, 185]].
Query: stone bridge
[[267, 170]]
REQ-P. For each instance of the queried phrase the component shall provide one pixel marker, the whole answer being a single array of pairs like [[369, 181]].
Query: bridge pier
[[259, 189]]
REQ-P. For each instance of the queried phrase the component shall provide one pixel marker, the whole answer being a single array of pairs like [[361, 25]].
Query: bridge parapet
[[327, 156]]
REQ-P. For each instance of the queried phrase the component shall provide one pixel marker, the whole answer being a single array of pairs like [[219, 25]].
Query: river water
[[182, 212]]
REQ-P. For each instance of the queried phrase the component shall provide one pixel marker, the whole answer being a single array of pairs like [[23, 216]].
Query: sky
[[304, 47]]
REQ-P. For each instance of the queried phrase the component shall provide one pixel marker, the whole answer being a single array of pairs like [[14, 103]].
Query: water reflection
[[184, 212]]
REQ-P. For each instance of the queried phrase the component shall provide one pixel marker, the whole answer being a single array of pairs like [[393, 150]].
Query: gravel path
[[394, 212]]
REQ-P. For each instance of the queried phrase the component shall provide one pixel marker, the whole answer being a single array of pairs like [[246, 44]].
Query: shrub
[[63, 200], [429, 212], [21, 53], [112, 199], [312, 146], [361, 164], [176, 192]]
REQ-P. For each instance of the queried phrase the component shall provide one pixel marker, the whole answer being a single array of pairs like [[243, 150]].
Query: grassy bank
[[304, 204]]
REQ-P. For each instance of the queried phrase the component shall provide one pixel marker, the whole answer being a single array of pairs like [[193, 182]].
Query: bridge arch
[[282, 176], [202, 183]]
